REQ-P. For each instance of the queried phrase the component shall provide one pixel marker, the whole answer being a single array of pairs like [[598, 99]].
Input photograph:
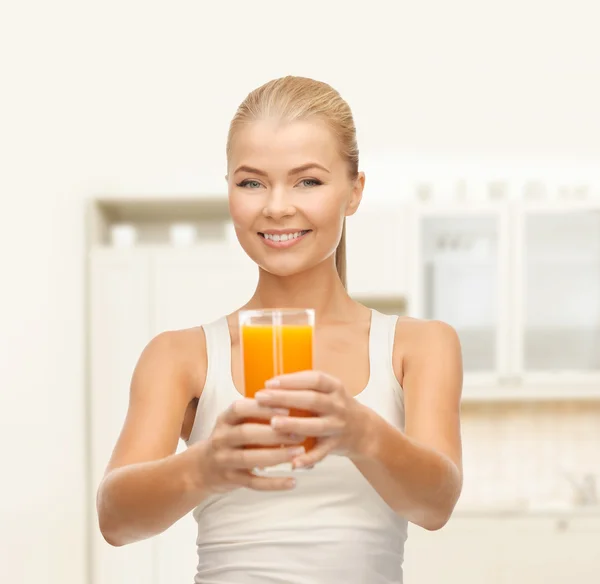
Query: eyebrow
[[297, 170]]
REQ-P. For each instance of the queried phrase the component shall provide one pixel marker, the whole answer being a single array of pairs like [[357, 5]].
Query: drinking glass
[[274, 342]]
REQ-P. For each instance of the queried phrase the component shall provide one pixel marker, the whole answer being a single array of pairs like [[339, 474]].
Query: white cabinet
[[542, 549], [553, 550], [459, 275], [521, 285], [120, 327], [195, 286], [134, 295], [557, 276], [464, 551], [375, 254]]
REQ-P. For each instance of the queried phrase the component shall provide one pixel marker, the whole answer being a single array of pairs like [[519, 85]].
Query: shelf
[[563, 259], [461, 259], [383, 304], [158, 209], [524, 510], [151, 218]]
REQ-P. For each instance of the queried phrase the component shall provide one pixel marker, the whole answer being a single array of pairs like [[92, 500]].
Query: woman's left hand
[[339, 421]]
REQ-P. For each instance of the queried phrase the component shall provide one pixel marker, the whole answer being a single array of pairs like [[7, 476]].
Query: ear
[[357, 193]]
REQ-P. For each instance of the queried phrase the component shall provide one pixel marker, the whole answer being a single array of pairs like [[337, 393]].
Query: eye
[[310, 182], [249, 184]]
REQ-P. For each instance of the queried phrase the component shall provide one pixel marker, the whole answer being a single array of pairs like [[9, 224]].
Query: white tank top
[[333, 528]]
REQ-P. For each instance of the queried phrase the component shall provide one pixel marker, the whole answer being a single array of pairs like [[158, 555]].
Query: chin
[[284, 264], [282, 269]]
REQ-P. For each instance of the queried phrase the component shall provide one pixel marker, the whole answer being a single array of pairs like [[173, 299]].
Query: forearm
[[419, 483], [139, 501]]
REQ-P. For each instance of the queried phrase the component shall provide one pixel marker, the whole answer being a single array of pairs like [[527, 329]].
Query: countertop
[[519, 510]]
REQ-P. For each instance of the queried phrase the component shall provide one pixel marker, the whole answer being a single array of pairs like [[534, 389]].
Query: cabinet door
[[558, 280], [459, 271], [119, 330], [546, 550], [191, 287], [197, 285], [375, 254], [465, 551]]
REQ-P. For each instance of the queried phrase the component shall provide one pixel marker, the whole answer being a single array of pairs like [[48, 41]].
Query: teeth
[[283, 236]]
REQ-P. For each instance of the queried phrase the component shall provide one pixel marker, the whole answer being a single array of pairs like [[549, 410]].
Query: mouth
[[284, 240]]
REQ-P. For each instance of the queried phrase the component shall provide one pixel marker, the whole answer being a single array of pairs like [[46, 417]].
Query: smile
[[283, 240]]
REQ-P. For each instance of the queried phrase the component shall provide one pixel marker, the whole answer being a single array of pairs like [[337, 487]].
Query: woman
[[385, 390]]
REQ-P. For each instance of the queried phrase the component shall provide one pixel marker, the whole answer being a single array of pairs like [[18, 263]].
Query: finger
[[316, 380], [258, 483], [249, 458], [302, 399], [316, 454], [258, 434], [245, 408], [309, 426]]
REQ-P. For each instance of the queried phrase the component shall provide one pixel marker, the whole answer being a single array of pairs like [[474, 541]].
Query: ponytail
[[340, 256]]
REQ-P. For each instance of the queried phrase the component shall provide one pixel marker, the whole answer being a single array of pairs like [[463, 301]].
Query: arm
[[419, 472], [147, 487]]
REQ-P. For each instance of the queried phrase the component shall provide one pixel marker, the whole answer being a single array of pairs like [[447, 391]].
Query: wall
[[514, 454], [135, 97]]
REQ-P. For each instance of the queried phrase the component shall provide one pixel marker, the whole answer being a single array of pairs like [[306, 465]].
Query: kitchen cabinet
[[135, 294], [520, 283], [376, 253], [459, 274], [506, 549], [553, 550], [120, 327], [557, 292], [196, 285], [464, 551]]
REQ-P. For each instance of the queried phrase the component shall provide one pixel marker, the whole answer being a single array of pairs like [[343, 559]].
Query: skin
[[280, 176]]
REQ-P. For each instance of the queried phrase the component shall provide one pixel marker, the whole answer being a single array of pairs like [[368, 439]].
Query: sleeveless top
[[333, 527]]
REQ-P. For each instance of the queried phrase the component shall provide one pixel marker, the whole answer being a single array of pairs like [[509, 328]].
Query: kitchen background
[[480, 136]]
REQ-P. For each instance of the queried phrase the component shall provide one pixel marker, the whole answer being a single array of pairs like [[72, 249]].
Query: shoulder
[[179, 355], [421, 341]]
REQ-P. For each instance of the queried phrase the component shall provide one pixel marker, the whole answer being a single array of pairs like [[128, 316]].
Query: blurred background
[[479, 131]]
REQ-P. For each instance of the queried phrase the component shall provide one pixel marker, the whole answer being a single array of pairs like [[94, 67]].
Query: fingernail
[[260, 395], [276, 423], [290, 483], [281, 412], [297, 451], [272, 383]]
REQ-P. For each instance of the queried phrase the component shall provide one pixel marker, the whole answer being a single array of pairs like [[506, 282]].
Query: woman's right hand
[[227, 464]]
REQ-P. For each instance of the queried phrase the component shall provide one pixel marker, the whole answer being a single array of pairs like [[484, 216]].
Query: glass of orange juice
[[274, 342]]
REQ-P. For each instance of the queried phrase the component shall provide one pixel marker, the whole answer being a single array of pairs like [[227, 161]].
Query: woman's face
[[289, 191]]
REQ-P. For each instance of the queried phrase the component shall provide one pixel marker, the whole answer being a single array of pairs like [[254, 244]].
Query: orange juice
[[270, 350]]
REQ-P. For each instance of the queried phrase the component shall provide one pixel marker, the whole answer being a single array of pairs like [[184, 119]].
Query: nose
[[278, 205]]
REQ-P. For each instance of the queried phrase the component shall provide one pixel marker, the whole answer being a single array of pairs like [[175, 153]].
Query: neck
[[319, 288]]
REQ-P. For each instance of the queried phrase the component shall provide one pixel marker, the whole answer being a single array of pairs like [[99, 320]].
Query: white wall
[[125, 96], [538, 450]]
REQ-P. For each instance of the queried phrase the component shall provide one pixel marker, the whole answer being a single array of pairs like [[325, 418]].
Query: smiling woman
[[288, 174], [384, 392]]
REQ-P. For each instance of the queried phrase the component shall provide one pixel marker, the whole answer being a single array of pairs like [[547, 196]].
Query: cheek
[[243, 213], [327, 213]]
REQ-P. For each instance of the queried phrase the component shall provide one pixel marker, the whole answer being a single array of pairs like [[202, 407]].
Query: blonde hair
[[299, 98]]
